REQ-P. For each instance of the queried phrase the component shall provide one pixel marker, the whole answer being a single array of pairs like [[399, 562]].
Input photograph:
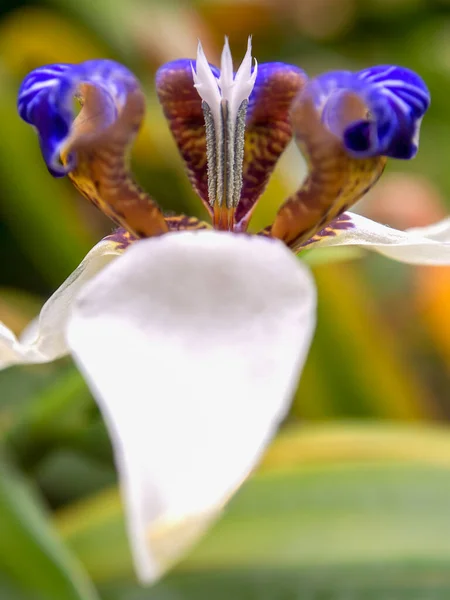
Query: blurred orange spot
[[432, 289], [403, 200], [322, 19], [238, 19], [165, 33]]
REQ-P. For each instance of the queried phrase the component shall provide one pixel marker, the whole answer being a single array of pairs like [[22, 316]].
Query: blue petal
[[394, 99], [272, 83], [45, 101]]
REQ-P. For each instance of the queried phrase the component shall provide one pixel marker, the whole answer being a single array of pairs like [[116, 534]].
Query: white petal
[[192, 344], [440, 231], [44, 338], [420, 246]]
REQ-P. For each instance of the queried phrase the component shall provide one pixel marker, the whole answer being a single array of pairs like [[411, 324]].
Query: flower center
[[225, 101]]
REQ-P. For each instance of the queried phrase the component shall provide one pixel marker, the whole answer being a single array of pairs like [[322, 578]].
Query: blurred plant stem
[[31, 554], [52, 417], [359, 354]]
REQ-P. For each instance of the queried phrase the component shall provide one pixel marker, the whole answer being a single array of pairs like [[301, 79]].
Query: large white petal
[[192, 344], [420, 246], [44, 338]]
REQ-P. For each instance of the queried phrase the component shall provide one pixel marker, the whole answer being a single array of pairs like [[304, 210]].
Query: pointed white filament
[[205, 82], [244, 79], [226, 70], [225, 99], [232, 88]]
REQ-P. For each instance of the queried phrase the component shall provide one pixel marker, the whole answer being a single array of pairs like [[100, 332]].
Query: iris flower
[[192, 335]]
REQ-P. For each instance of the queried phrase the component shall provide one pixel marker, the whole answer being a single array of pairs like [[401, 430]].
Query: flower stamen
[[225, 101]]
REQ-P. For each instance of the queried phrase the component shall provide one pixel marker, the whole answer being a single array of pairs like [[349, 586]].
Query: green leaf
[[325, 256], [334, 513], [359, 583], [54, 409], [32, 557], [111, 19]]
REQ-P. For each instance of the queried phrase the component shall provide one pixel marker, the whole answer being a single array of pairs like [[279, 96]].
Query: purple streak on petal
[[342, 223], [122, 238]]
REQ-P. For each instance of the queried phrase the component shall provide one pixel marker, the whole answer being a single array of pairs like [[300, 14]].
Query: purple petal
[[268, 128]]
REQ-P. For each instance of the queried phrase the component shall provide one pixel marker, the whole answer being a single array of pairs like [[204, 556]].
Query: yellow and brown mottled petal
[[121, 238], [101, 172], [342, 223], [268, 130], [93, 148], [335, 181], [184, 223]]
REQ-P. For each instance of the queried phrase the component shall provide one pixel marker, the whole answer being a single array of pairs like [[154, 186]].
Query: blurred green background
[[353, 499]]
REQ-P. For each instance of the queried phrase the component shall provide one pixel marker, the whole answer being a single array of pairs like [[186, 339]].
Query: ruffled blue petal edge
[[396, 97], [45, 101]]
